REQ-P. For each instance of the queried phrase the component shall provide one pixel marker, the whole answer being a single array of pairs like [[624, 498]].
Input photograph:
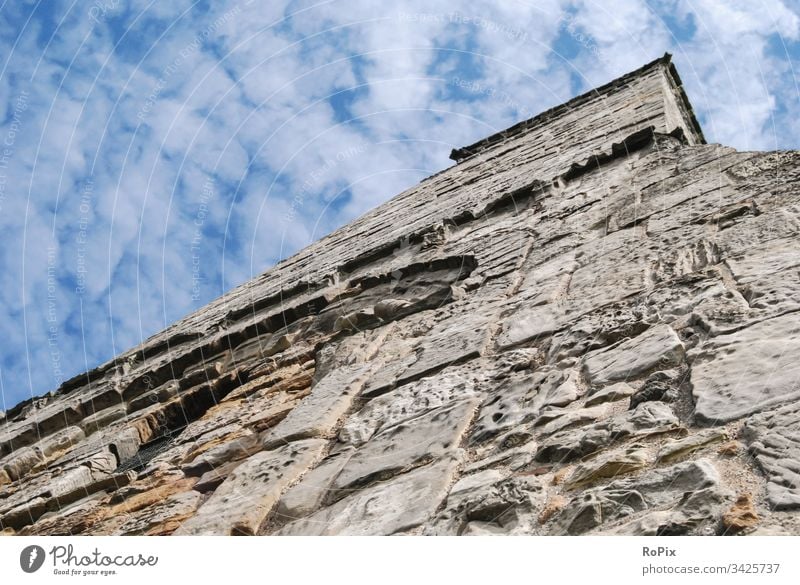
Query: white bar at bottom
[[406, 560]]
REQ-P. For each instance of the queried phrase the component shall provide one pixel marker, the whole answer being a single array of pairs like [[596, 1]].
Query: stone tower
[[589, 324]]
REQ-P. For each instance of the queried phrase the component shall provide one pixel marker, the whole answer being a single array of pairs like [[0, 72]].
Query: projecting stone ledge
[[387, 508], [748, 371], [775, 442], [244, 500], [318, 413], [657, 348]]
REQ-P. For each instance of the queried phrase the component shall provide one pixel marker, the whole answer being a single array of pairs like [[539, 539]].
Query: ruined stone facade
[[589, 324]]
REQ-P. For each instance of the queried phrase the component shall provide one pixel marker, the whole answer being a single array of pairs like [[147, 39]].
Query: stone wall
[[587, 325]]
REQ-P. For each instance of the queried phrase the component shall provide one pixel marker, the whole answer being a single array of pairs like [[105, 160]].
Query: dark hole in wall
[[174, 419], [149, 451]]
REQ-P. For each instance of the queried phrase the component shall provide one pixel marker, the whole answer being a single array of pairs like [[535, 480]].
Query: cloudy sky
[[155, 154]]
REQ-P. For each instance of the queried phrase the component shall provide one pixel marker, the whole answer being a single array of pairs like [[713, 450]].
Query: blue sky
[[155, 154]]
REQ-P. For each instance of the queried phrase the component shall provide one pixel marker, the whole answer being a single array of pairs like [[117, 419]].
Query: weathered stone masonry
[[589, 324]]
